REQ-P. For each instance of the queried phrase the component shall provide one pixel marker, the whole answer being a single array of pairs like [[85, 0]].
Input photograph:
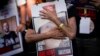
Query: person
[[9, 36], [57, 32], [96, 3], [26, 23], [25, 13], [21, 5], [86, 41]]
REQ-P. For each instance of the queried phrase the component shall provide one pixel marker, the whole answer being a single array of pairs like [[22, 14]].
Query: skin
[[50, 14], [23, 21], [69, 30], [25, 10]]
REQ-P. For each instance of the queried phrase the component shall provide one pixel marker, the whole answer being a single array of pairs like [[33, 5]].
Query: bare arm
[[50, 13], [70, 29], [23, 14], [21, 26], [36, 37], [32, 36], [30, 3]]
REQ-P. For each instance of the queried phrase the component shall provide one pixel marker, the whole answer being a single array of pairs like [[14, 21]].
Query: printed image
[[9, 38], [51, 46]]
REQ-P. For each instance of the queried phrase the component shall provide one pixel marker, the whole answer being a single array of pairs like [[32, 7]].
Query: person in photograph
[[9, 36]]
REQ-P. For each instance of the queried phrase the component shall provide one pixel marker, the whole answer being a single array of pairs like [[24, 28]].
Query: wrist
[[57, 22], [23, 24], [61, 25]]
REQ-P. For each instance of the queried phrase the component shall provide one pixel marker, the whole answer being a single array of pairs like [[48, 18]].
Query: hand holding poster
[[51, 47], [10, 39]]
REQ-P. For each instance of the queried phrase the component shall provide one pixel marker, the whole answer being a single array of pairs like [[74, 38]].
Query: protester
[[57, 32], [87, 41], [24, 7]]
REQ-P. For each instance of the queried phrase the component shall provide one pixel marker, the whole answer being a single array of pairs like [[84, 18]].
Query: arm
[[36, 37], [23, 14], [70, 29], [30, 3], [50, 13], [32, 36], [21, 26]]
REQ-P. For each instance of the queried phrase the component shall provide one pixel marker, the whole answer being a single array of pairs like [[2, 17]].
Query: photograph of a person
[[10, 38], [57, 42], [54, 37]]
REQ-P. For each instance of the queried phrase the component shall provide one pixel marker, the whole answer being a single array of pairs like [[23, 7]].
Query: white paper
[[44, 25], [10, 45], [59, 6], [35, 11], [85, 25]]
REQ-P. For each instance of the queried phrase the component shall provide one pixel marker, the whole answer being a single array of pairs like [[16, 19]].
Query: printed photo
[[51, 47], [10, 39]]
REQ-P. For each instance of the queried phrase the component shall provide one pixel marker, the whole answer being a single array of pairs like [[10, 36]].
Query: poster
[[10, 39], [51, 47]]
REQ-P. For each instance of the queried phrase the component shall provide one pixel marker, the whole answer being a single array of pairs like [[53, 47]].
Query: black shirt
[[91, 12], [73, 13], [98, 22]]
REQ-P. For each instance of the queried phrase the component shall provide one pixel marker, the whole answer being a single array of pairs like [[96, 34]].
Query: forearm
[[39, 37], [23, 14], [30, 3], [69, 30]]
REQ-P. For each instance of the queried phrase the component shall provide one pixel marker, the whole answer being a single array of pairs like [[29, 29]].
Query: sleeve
[[71, 12], [21, 2]]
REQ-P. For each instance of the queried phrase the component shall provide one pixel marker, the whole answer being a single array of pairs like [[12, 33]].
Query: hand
[[20, 28], [55, 33], [29, 35], [49, 12]]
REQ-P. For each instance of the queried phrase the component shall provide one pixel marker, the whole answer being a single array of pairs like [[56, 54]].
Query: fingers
[[30, 31], [43, 12], [29, 35], [17, 30], [55, 33], [49, 8], [27, 38], [43, 15], [20, 28], [55, 28]]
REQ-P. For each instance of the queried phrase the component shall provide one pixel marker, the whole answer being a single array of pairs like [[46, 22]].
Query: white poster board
[[10, 40], [51, 47]]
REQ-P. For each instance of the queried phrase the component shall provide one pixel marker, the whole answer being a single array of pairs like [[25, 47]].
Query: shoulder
[[70, 7], [71, 10]]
